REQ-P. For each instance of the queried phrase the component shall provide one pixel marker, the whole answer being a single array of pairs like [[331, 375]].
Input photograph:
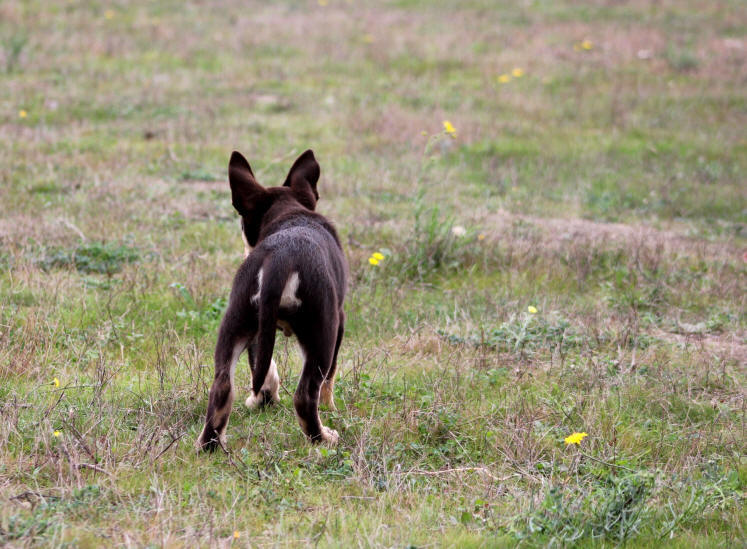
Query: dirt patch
[[556, 233], [731, 347]]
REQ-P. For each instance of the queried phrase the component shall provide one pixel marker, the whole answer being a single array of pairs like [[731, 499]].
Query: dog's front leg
[[227, 352]]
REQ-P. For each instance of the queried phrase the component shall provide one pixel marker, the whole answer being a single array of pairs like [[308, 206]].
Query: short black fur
[[290, 240]]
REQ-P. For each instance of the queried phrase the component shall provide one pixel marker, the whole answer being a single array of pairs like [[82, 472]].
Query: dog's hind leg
[[232, 340], [318, 344], [327, 395]]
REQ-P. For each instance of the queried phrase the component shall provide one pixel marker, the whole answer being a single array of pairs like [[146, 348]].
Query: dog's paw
[[208, 442], [329, 436], [254, 401], [269, 393]]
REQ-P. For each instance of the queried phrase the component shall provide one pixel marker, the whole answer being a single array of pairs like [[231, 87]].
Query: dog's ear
[[302, 179], [247, 195]]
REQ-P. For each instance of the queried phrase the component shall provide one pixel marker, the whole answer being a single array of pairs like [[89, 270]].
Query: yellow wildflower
[[517, 72], [481, 236], [575, 438], [373, 261], [323, 2], [56, 382], [57, 433], [109, 14], [504, 78], [377, 255], [22, 114], [449, 128], [587, 44], [532, 309], [235, 534]]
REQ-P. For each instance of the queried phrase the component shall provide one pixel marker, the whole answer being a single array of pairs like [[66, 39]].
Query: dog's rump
[[298, 263]]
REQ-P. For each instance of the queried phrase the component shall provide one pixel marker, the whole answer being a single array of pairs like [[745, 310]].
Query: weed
[[612, 509], [91, 257]]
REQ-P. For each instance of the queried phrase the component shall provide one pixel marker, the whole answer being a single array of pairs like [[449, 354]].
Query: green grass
[[604, 187]]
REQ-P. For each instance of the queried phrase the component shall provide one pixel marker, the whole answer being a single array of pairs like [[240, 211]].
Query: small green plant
[[13, 46], [91, 257], [195, 313], [682, 59], [435, 245], [610, 508], [199, 174], [523, 332]]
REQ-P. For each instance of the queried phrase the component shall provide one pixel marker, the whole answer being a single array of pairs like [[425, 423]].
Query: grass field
[[597, 175]]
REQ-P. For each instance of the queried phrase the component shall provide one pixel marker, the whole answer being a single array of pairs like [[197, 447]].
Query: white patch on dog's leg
[[255, 297], [326, 395], [329, 436], [226, 410], [289, 299], [270, 385], [237, 350]]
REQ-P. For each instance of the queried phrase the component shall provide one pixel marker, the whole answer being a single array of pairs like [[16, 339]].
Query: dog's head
[[253, 201]]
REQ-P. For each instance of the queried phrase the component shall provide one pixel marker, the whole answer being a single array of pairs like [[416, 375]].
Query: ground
[[593, 169]]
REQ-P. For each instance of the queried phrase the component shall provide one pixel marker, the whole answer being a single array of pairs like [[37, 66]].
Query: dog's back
[[303, 247]]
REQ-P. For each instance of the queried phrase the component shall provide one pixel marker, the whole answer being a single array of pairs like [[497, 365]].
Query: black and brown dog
[[294, 279]]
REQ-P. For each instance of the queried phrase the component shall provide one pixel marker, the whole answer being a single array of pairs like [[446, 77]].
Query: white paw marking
[[330, 436], [289, 299], [271, 384]]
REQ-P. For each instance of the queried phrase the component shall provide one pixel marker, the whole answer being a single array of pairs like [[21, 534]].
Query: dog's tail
[[274, 277]]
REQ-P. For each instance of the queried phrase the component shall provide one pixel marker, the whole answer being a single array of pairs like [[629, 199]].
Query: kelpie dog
[[294, 279]]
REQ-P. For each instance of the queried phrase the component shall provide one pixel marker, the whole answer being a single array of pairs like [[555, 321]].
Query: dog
[[293, 279]]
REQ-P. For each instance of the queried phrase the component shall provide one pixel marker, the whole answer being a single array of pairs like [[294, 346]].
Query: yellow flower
[[56, 382], [575, 438], [532, 309], [377, 255], [56, 433], [368, 38], [22, 114], [517, 72], [235, 534], [109, 14], [323, 2], [587, 44], [373, 261], [481, 236], [504, 78], [449, 128]]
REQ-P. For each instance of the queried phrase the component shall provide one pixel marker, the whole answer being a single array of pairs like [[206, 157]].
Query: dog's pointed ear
[[238, 161], [246, 193], [302, 179]]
